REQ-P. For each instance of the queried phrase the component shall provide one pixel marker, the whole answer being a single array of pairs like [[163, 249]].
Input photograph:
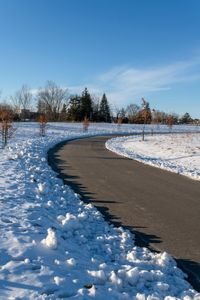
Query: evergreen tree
[[64, 108], [86, 109], [186, 119], [104, 110], [96, 117], [74, 109]]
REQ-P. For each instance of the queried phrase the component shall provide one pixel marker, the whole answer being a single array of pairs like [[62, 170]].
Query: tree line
[[55, 103]]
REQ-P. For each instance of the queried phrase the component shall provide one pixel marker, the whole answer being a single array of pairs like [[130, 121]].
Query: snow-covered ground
[[179, 153], [53, 246]]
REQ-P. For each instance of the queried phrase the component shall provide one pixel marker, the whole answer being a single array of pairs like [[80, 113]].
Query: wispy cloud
[[123, 84]]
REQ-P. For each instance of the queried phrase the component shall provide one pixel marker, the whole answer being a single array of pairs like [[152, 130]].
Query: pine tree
[[74, 109], [186, 119], [104, 111], [86, 105]]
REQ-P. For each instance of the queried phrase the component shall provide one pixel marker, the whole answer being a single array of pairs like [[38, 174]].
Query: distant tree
[[86, 124], [170, 121], [158, 117], [174, 116], [22, 101], [6, 123], [96, 109], [132, 112], [121, 116], [145, 113], [104, 110], [74, 109], [63, 114], [119, 122], [52, 97], [42, 125], [41, 107], [185, 119], [154, 119], [86, 109]]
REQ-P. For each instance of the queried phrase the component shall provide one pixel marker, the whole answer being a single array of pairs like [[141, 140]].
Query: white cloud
[[123, 84]]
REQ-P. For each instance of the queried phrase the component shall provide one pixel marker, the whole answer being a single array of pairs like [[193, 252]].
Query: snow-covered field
[[53, 246], [173, 152]]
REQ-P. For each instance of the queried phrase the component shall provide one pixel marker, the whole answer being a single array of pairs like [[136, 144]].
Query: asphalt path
[[161, 208]]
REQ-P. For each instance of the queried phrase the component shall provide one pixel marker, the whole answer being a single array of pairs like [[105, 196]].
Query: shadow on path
[[104, 205]]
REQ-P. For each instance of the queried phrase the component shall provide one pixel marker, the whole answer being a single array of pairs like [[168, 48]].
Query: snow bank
[[53, 246], [179, 153]]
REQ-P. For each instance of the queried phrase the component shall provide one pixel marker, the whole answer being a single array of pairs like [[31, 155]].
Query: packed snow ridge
[[54, 246], [179, 153]]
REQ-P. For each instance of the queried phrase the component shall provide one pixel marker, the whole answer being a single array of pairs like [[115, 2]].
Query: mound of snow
[[51, 240]]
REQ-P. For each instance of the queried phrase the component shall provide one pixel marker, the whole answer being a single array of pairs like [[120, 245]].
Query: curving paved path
[[161, 208]]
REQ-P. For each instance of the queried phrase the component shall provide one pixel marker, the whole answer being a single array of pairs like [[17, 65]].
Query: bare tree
[[170, 122], [6, 127], [145, 115], [52, 97], [120, 114], [119, 122], [86, 124], [132, 112], [15, 99], [42, 125], [22, 101]]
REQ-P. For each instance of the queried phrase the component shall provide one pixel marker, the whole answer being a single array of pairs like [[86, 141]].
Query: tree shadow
[[181, 157], [5, 284], [192, 269], [141, 238]]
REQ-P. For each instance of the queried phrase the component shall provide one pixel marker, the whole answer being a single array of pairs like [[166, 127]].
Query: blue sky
[[127, 48]]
